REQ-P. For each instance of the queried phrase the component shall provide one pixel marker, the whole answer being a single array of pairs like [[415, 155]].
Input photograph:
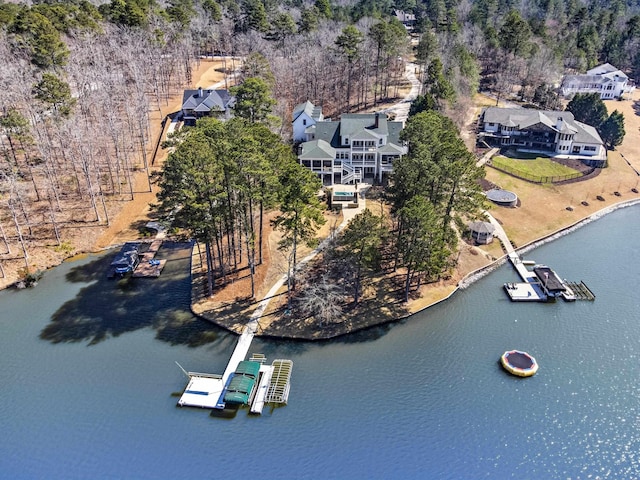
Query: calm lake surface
[[88, 375]]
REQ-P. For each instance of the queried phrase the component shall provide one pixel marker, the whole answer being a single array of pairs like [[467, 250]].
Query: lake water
[[88, 375]]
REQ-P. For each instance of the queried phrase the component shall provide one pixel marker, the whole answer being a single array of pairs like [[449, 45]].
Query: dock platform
[[581, 291], [150, 267], [525, 292], [203, 390]]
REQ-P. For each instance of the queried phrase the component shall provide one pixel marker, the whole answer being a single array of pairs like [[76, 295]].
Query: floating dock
[[581, 291], [271, 386], [542, 284], [149, 266]]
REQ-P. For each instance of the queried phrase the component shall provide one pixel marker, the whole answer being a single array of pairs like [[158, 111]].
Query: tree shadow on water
[[110, 307]]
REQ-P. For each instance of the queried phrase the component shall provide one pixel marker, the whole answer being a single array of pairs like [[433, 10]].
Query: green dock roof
[[247, 367]]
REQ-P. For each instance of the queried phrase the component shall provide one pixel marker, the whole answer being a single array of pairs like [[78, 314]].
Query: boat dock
[[541, 284], [529, 291], [272, 386], [149, 266]]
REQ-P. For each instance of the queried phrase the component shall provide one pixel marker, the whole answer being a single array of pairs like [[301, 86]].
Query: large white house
[[356, 147], [557, 133], [605, 79]]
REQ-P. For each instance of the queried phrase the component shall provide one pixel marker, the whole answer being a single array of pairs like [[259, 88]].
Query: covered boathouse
[[242, 384], [552, 285]]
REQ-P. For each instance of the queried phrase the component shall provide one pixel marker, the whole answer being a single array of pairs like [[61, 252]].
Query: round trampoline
[[519, 363], [502, 197]]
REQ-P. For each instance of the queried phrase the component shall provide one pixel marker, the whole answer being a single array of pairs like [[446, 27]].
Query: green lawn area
[[532, 167]]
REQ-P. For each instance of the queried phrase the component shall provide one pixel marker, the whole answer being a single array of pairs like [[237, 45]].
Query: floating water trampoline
[[519, 363]]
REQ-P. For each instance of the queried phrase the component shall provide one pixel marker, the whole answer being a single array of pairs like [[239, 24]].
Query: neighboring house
[[305, 116], [605, 79], [358, 146], [202, 103], [556, 133], [407, 19]]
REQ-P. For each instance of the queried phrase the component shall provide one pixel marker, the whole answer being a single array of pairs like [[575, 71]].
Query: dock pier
[[540, 284], [272, 385], [150, 267]]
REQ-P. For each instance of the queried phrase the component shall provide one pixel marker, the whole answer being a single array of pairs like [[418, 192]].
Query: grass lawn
[[532, 167]]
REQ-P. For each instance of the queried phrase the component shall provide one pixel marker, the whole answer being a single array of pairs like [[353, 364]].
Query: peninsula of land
[[543, 211]]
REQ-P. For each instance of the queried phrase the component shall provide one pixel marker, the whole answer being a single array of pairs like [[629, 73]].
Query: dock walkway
[[528, 291], [149, 267]]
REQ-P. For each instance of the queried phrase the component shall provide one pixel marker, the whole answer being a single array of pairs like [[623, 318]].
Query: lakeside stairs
[[351, 175]]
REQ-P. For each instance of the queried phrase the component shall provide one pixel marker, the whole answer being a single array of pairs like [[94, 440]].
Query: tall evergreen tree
[[301, 213], [588, 108], [515, 34], [254, 16], [349, 45], [55, 93], [420, 244], [253, 100], [612, 129], [361, 243]]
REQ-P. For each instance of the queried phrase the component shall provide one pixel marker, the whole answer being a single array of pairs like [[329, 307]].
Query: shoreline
[[466, 281]]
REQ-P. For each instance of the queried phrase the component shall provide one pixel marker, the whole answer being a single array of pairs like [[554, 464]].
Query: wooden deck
[[150, 267]]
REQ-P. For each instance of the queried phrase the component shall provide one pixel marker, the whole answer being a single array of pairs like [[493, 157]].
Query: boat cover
[[239, 390], [236, 397], [249, 368], [240, 383]]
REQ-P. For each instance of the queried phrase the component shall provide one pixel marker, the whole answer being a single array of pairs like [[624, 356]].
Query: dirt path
[[136, 213]]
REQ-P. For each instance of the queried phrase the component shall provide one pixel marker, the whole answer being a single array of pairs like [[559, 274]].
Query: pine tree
[[612, 130]]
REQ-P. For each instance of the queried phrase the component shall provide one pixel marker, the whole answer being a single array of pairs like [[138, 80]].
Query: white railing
[[351, 174]]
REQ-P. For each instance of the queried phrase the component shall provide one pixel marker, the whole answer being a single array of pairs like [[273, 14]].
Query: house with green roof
[[358, 147]]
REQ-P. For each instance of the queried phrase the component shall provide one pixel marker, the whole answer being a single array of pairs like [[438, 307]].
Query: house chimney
[[200, 92], [377, 119]]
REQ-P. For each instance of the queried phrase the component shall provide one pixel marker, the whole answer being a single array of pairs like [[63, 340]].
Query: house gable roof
[[329, 132], [310, 109], [599, 75], [586, 134], [602, 69], [317, 150], [360, 126], [392, 149], [209, 100], [524, 118], [352, 124]]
